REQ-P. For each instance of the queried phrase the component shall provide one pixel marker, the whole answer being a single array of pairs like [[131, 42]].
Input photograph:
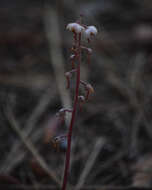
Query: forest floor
[[112, 138]]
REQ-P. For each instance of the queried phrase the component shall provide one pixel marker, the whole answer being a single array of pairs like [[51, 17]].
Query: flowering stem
[[67, 162]]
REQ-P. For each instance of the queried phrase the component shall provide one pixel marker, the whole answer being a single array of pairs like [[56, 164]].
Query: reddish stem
[[67, 162]]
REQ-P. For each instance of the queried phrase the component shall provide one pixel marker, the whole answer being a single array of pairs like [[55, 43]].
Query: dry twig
[[56, 57], [90, 162], [29, 145], [16, 151]]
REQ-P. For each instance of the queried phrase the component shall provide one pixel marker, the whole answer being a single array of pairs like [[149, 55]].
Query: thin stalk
[[68, 152]]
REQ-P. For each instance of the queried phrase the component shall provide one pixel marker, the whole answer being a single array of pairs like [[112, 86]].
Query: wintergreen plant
[[79, 30]]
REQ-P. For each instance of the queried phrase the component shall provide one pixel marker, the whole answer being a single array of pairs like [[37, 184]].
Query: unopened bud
[[89, 50], [90, 31], [68, 74], [90, 88], [81, 98], [72, 56], [61, 112], [75, 27]]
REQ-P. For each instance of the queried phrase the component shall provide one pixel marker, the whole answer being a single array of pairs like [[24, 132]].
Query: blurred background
[[112, 136]]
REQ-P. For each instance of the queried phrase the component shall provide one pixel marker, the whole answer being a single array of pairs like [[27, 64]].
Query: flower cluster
[[77, 28]]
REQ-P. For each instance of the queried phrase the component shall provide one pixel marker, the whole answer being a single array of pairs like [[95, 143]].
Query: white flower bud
[[81, 98], [72, 56], [75, 27], [90, 31], [89, 50], [68, 74]]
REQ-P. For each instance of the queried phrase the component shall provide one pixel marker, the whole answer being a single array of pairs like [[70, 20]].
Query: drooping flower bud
[[81, 98], [68, 74], [90, 31], [72, 56], [89, 50], [81, 101], [75, 27], [89, 90], [61, 112]]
